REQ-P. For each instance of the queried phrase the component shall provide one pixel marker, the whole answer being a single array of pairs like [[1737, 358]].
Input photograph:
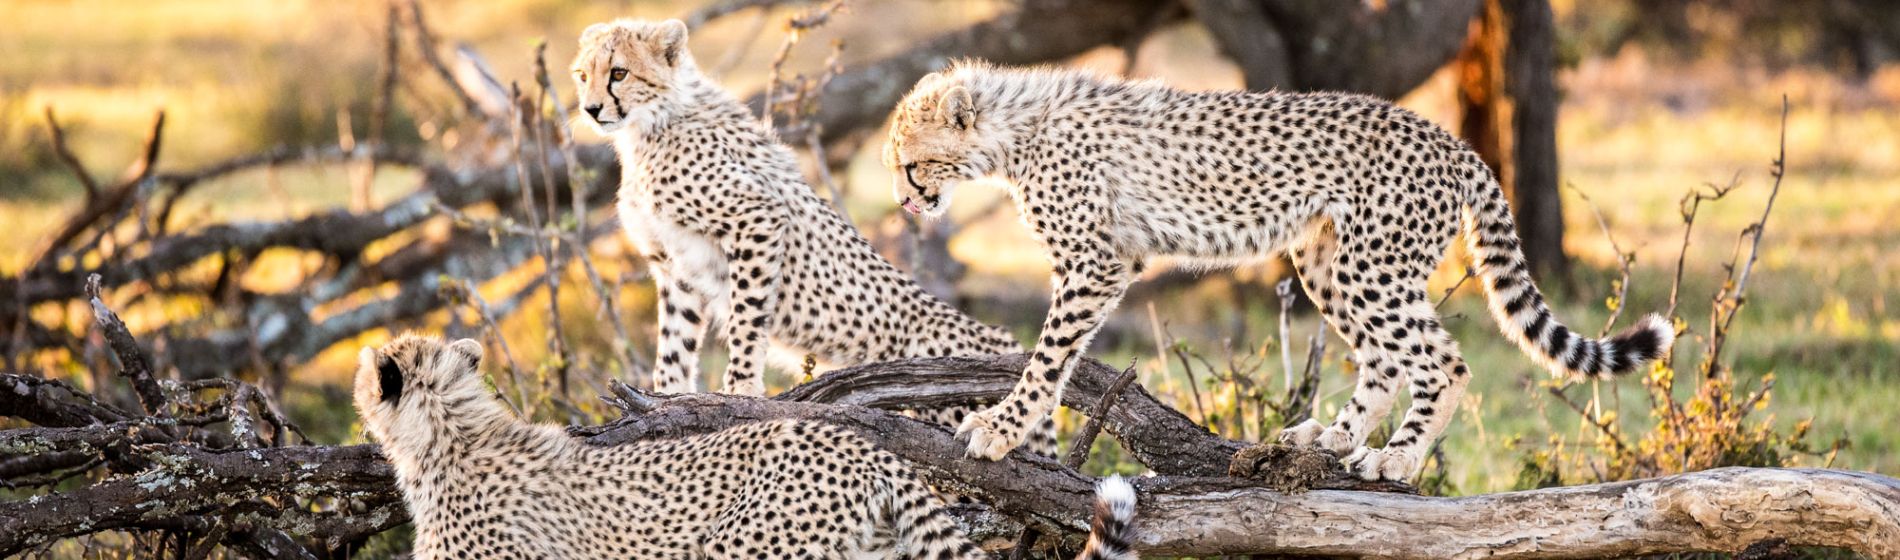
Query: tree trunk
[[1509, 96]]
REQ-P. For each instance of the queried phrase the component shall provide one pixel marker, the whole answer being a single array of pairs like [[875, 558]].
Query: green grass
[[1818, 318]]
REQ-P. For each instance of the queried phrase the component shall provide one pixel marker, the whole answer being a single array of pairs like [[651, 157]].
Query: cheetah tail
[[1520, 309], [923, 528], [1110, 532]]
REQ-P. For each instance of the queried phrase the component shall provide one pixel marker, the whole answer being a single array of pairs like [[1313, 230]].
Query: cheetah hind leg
[[1320, 267]]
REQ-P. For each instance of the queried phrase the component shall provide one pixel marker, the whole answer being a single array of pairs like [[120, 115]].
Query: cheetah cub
[[1365, 195], [481, 483], [736, 236]]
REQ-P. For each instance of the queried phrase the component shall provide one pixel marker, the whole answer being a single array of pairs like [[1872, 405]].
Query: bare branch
[[66, 156], [135, 367]]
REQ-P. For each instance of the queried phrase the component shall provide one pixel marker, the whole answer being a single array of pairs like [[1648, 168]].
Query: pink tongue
[[911, 206]]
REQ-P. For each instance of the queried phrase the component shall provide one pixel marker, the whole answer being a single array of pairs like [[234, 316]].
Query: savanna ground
[[236, 78]]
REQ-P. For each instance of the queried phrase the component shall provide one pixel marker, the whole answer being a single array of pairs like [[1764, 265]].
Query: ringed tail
[[1520, 309], [1110, 532]]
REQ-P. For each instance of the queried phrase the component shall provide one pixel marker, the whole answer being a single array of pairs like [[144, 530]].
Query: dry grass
[[1819, 319]]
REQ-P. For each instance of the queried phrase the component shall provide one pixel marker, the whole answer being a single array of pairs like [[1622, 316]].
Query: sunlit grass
[[1818, 318]]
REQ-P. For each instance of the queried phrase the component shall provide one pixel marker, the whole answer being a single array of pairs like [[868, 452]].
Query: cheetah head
[[939, 139], [407, 390], [630, 72]]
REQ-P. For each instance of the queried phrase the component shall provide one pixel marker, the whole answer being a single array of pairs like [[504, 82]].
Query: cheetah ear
[[469, 349], [928, 79], [593, 32], [956, 108], [669, 38], [388, 374]]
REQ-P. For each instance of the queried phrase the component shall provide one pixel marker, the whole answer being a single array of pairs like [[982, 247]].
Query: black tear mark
[[391, 377]]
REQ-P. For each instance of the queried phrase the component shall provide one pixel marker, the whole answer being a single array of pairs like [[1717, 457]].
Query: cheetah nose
[[593, 111]]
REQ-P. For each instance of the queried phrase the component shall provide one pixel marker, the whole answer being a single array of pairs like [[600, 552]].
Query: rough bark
[[1720, 510], [1509, 95], [1530, 78]]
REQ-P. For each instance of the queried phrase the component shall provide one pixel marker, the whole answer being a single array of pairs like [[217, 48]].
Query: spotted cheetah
[[481, 483], [736, 236], [1365, 195]]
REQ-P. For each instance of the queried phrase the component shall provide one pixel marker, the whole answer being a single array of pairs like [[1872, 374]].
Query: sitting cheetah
[[1365, 195], [736, 235], [481, 483]]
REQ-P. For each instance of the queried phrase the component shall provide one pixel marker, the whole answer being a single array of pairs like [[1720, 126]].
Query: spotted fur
[[736, 236], [1367, 196], [481, 483]]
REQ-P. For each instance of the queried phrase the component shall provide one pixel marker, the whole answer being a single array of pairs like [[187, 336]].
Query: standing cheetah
[[481, 483], [1365, 195], [736, 235]]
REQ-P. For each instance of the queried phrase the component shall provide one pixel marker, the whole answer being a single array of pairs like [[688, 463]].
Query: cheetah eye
[[617, 74], [580, 75]]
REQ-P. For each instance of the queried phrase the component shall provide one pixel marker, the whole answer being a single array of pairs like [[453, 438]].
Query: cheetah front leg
[[753, 254], [682, 330], [1088, 284]]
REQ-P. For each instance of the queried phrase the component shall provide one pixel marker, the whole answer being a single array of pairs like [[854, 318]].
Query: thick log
[[1156, 434], [1722, 510]]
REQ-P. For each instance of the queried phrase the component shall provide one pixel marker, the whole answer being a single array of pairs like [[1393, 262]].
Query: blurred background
[[269, 239]]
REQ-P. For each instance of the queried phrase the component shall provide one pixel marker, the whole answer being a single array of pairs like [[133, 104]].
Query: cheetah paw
[[1311, 433], [1302, 435], [1382, 464], [990, 436]]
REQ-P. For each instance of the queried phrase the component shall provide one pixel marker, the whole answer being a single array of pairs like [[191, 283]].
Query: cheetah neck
[[444, 468], [695, 98]]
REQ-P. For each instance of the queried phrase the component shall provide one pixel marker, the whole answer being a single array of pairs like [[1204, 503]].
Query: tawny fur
[[736, 236], [481, 483], [1367, 196]]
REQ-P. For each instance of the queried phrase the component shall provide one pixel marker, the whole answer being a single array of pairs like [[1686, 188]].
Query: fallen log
[[1721, 510]]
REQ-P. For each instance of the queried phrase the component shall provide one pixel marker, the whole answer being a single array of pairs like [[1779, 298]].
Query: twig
[[517, 122], [1079, 449], [1623, 262], [66, 156], [111, 204], [134, 366], [1594, 419], [1194, 385], [577, 181], [728, 7], [795, 29], [469, 295], [1469, 273], [1285, 290], [425, 43], [1690, 206], [1301, 403], [1730, 299]]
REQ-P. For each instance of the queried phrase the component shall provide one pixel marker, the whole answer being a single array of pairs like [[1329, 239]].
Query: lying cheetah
[[481, 483], [1365, 195], [736, 235]]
